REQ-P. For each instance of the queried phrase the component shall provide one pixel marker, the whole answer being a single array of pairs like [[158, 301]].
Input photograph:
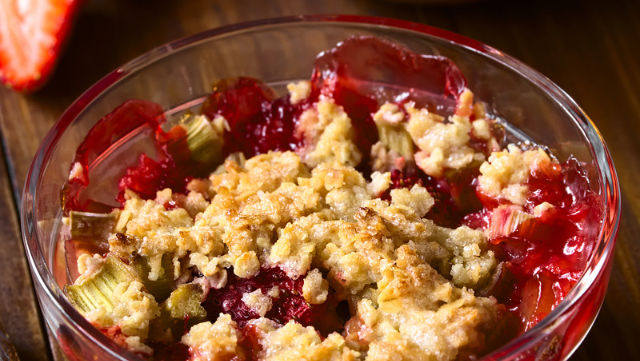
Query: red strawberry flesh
[[32, 33]]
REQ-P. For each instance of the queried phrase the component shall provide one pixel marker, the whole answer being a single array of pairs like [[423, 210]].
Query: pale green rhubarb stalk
[[394, 136], [204, 139], [96, 226], [180, 311], [162, 287], [96, 290]]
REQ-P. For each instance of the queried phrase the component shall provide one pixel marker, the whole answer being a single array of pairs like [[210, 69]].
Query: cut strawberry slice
[[31, 34]]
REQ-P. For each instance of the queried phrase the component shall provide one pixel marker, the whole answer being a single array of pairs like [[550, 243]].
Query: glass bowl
[[179, 74]]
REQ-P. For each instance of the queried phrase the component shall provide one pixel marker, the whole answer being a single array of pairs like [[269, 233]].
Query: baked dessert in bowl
[[421, 196]]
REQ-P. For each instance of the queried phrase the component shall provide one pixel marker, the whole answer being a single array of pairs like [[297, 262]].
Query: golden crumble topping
[[419, 315], [275, 211], [133, 309], [294, 342], [299, 91], [408, 282], [505, 174], [327, 129], [442, 145], [315, 289], [257, 301], [214, 341]]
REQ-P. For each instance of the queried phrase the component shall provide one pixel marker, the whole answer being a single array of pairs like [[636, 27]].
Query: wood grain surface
[[589, 47]]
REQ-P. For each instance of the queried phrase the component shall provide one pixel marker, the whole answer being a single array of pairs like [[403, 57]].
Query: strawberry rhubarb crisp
[[375, 212]]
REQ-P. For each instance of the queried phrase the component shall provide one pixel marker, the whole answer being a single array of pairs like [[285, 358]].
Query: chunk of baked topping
[[257, 302], [328, 132], [315, 288], [214, 341], [293, 342], [505, 174], [419, 314], [443, 145], [299, 91]]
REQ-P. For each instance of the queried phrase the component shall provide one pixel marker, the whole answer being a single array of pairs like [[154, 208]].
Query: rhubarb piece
[[390, 121], [96, 290], [31, 38], [183, 302], [203, 139], [506, 220], [396, 139], [95, 226], [204, 142], [182, 310], [162, 287]]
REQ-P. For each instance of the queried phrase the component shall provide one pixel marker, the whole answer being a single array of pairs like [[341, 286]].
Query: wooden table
[[588, 47]]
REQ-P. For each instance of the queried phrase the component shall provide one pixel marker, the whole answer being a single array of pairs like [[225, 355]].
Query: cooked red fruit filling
[[286, 297]]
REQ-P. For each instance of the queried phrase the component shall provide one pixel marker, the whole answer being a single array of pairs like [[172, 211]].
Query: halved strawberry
[[31, 34]]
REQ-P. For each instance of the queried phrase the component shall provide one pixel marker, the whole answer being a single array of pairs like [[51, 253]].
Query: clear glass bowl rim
[[606, 171]]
